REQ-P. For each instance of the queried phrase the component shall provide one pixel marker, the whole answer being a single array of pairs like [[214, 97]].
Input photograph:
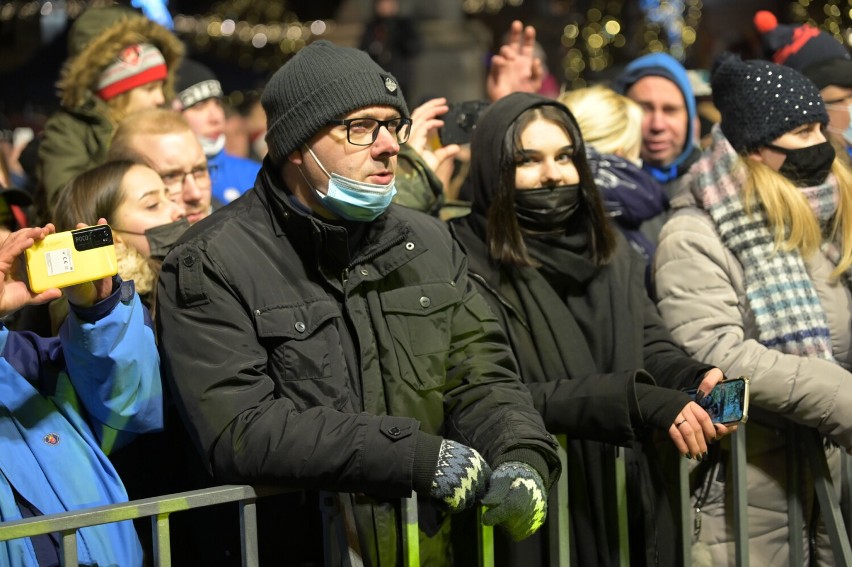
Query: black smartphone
[[727, 403], [460, 121]]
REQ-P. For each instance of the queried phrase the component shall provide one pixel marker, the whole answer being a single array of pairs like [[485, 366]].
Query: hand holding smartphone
[[460, 121], [70, 258], [727, 403]]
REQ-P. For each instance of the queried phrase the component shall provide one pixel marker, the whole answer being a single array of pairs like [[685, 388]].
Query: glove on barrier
[[461, 476], [516, 499]]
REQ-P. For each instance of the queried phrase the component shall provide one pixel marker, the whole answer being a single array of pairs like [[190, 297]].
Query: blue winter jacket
[[233, 176], [65, 403]]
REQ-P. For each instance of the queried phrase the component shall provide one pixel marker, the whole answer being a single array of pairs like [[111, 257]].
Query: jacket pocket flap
[[423, 299], [294, 322]]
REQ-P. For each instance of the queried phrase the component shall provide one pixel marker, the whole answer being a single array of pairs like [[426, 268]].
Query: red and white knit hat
[[136, 65]]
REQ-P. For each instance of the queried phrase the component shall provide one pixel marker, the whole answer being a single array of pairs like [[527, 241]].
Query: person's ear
[[756, 155], [296, 157]]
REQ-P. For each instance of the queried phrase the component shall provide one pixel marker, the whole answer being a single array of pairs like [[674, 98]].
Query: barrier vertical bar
[[68, 548], [484, 540], [410, 532], [738, 451], [161, 535], [621, 505], [825, 494], [846, 491], [795, 515], [685, 508], [248, 532], [558, 530]]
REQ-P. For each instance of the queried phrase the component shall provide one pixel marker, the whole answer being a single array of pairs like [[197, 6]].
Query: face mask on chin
[[351, 199], [212, 146], [548, 209], [161, 238], [806, 167]]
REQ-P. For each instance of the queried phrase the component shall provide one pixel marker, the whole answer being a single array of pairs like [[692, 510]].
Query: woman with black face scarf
[[591, 347], [753, 275]]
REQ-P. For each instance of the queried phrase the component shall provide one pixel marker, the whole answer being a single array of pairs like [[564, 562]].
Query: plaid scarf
[[780, 293]]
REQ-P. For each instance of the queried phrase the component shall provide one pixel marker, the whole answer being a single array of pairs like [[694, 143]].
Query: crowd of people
[[367, 313]]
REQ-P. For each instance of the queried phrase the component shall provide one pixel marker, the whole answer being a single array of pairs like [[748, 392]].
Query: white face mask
[[354, 200], [212, 146]]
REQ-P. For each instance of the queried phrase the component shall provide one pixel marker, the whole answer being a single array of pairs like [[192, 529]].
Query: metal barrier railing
[[159, 509], [836, 517], [805, 445]]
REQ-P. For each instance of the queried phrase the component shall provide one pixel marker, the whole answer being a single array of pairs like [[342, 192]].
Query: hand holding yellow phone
[[72, 257]]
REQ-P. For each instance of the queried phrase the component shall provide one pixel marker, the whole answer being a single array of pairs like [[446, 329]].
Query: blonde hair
[[610, 122], [153, 121], [789, 216]]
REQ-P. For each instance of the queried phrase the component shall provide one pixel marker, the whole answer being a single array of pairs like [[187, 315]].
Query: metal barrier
[[159, 509], [805, 445]]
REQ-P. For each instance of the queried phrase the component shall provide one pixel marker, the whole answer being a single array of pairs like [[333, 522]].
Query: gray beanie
[[322, 82], [760, 101]]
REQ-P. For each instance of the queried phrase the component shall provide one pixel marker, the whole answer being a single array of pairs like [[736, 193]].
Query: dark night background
[[30, 60]]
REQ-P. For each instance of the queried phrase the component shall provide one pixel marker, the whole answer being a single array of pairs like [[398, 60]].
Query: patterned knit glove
[[460, 477], [516, 499]]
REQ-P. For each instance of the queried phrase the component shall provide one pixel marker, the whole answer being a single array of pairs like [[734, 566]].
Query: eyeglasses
[[364, 131], [200, 174]]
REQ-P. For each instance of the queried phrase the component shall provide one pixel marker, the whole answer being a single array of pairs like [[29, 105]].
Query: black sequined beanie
[[323, 81], [760, 101]]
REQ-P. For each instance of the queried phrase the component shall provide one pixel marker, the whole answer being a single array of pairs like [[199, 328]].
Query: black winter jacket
[[294, 363]]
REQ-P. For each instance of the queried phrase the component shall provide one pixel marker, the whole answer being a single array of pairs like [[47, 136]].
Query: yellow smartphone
[[72, 257]]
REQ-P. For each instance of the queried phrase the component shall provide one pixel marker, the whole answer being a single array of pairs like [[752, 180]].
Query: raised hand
[[515, 68]]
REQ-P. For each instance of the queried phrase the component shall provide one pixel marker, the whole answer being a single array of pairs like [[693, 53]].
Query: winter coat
[[297, 364], [232, 177], [77, 136], [66, 402], [595, 410], [632, 198], [702, 298]]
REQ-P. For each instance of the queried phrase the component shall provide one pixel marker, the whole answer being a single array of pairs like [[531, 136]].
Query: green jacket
[[77, 137], [294, 363]]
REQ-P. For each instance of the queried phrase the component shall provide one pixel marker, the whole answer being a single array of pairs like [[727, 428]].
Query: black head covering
[[487, 145], [760, 101]]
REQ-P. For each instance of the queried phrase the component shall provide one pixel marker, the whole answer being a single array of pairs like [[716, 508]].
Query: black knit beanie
[[196, 83], [322, 82], [815, 53], [760, 101]]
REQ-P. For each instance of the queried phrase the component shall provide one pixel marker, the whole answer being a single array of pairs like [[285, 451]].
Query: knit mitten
[[516, 500], [460, 477]]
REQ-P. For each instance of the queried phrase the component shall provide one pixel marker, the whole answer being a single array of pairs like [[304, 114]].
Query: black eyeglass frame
[[404, 125]]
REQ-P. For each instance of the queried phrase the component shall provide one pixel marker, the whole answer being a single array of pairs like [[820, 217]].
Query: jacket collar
[[329, 243]]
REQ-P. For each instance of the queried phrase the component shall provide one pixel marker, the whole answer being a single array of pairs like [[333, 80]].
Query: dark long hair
[[505, 237]]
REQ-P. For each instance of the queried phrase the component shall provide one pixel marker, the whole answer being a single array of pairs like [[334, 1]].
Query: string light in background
[[833, 14]]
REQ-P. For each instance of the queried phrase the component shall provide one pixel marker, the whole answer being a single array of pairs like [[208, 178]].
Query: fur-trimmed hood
[[81, 72]]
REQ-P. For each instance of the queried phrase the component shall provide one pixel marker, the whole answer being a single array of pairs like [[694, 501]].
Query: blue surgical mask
[[354, 200]]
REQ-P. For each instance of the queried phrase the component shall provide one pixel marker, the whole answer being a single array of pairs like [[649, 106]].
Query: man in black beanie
[[317, 336]]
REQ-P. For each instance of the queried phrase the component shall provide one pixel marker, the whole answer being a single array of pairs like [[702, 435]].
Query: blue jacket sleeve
[[113, 364]]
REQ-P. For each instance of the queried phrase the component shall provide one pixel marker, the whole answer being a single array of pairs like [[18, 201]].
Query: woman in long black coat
[[590, 344]]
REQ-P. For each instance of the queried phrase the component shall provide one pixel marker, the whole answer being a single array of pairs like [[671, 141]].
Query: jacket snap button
[[364, 271], [409, 246], [188, 261], [300, 326], [394, 431], [425, 301]]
